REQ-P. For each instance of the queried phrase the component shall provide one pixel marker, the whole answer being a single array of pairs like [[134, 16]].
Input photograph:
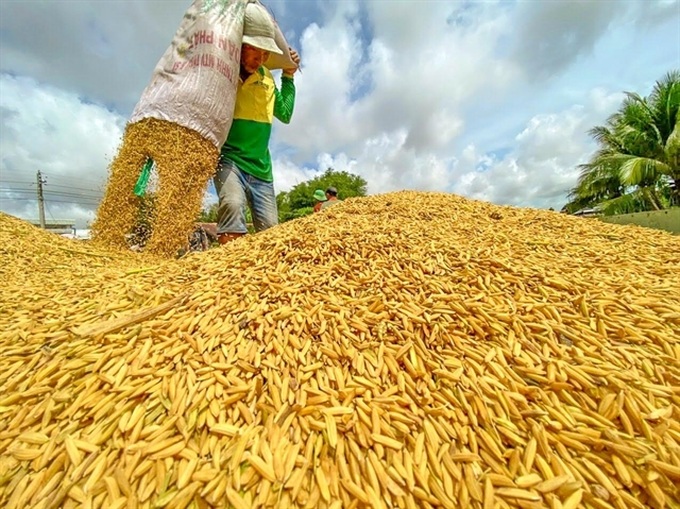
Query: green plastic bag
[[143, 180]]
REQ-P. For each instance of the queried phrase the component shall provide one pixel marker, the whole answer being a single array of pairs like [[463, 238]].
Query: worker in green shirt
[[244, 173]]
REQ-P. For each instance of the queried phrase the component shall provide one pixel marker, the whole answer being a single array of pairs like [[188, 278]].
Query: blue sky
[[408, 94]]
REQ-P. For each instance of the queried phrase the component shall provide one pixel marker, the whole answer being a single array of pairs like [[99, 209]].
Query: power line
[[29, 185], [60, 181], [88, 201], [50, 213], [11, 193], [46, 190], [65, 193], [46, 186], [71, 187], [50, 188], [73, 195], [21, 191]]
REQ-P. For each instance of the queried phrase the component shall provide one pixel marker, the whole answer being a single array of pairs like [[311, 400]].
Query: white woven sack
[[194, 83]]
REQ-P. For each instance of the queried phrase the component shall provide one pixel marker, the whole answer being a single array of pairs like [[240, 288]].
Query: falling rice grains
[[184, 162], [406, 350]]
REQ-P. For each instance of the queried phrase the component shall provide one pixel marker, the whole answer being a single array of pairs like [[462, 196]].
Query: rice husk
[[407, 350]]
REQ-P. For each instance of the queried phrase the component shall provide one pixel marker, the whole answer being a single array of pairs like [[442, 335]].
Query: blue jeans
[[237, 188]]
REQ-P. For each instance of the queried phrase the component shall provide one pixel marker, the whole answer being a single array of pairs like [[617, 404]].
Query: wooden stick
[[123, 321]]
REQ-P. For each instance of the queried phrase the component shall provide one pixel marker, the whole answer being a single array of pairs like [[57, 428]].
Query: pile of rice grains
[[404, 350], [184, 161]]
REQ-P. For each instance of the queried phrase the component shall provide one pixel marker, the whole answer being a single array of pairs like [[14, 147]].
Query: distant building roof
[[54, 223], [58, 226], [587, 212]]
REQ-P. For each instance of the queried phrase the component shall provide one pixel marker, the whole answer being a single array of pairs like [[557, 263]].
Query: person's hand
[[296, 59]]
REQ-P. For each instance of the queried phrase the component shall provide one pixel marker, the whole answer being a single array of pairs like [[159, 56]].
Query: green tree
[[208, 215], [283, 206], [637, 166], [299, 201]]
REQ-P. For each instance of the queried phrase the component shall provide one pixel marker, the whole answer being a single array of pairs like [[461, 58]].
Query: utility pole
[[41, 200]]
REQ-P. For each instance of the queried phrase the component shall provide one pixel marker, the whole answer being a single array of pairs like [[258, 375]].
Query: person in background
[[244, 173], [331, 198], [320, 197]]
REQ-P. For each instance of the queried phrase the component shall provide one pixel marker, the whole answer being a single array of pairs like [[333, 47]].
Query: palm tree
[[638, 162]]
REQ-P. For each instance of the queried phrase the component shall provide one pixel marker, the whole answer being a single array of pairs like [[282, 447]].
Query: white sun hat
[[259, 30]]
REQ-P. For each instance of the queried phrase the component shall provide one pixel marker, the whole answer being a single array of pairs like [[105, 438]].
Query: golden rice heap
[[404, 350], [185, 161]]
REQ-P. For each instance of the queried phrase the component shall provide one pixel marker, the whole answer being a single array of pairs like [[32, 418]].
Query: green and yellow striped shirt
[[258, 101]]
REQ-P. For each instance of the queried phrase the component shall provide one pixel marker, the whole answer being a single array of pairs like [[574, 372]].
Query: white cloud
[[554, 34], [544, 163], [323, 110], [68, 140], [289, 174], [104, 49]]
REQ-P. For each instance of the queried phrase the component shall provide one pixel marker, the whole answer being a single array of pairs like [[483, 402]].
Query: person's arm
[[284, 101]]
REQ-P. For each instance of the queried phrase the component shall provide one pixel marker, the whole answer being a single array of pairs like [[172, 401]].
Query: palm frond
[[637, 128], [635, 98], [638, 200], [603, 135], [638, 145], [665, 101], [635, 171], [597, 182], [620, 205], [673, 150]]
